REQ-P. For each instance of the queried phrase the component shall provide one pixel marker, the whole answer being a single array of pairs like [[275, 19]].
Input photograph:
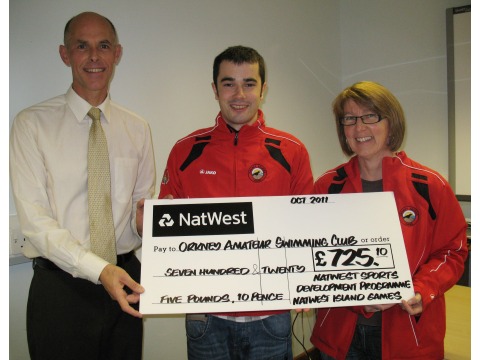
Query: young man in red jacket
[[238, 156]]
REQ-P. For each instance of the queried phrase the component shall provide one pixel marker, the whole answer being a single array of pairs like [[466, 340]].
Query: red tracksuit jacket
[[434, 231], [221, 162]]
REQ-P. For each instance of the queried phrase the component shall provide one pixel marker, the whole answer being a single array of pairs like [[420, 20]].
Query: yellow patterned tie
[[102, 231]]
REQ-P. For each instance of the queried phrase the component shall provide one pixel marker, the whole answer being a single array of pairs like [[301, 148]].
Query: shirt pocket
[[125, 178]]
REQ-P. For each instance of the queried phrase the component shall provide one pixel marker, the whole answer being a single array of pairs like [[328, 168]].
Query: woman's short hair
[[379, 100]]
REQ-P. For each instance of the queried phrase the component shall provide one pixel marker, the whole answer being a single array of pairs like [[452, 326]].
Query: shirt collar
[[80, 107]]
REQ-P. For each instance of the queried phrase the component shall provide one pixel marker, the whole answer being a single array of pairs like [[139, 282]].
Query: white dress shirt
[[48, 169]]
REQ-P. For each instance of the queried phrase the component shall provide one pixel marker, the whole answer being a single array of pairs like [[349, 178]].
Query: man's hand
[[114, 279], [139, 216]]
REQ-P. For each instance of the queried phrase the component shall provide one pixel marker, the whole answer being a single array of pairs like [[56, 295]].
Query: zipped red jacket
[[222, 162], [434, 232]]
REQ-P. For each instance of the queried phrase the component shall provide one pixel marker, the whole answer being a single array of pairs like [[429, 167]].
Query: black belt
[[43, 263]]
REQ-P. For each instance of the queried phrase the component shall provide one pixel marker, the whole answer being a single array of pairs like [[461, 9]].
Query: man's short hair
[[239, 55]]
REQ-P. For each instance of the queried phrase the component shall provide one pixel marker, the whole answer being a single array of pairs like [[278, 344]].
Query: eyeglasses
[[366, 119]]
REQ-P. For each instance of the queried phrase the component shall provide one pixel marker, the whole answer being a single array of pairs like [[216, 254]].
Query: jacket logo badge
[[165, 177], [409, 215], [257, 173]]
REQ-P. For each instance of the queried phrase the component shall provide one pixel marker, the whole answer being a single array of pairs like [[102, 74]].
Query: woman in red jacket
[[371, 125]]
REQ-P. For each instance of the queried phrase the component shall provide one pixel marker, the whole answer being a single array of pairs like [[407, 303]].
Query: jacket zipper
[[235, 139]]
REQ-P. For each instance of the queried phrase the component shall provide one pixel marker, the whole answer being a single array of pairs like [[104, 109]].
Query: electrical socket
[[17, 240]]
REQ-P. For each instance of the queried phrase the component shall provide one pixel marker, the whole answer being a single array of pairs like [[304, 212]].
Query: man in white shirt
[[81, 306]]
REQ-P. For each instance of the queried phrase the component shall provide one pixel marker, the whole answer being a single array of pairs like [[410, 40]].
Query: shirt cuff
[[92, 266]]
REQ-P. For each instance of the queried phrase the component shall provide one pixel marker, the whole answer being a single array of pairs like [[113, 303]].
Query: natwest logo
[[203, 219], [215, 218], [166, 220]]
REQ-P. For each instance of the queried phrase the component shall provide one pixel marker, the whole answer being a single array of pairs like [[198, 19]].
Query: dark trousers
[[366, 344], [71, 318]]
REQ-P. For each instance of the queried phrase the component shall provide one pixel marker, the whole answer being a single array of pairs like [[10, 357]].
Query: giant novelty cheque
[[272, 253]]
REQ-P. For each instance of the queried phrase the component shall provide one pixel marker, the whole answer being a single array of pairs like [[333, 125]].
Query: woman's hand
[[414, 306]]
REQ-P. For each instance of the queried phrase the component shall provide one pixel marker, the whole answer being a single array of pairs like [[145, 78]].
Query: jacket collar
[[245, 130], [390, 165]]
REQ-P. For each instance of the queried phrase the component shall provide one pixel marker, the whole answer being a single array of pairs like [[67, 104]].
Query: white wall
[[313, 48], [402, 44]]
